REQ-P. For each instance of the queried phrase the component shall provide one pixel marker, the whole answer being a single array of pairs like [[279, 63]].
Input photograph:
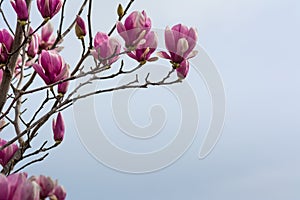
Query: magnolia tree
[[28, 53]]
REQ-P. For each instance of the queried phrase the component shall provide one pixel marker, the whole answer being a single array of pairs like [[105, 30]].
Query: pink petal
[[41, 73], [169, 40], [47, 31], [183, 70], [163, 54], [4, 187], [131, 55], [192, 54]]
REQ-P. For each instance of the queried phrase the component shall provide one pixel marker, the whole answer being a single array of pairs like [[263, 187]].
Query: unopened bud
[[120, 11], [58, 127], [80, 28]]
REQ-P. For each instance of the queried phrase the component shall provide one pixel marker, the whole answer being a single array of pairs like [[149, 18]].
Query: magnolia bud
[[46, 185], [80, 29], [21, 9], [120, 11], [58, 127]]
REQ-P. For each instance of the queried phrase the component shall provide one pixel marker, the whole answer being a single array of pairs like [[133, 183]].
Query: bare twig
[[5, 20], [41, 149], [90, 24], [32, 162]]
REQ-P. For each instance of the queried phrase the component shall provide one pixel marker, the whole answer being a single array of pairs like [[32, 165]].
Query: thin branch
[[32, 162], [82, 59], [59, 37], [41, 149], [90, 24], [121, 72], [40, 108], [5, 20], [83, 47], [128, 86], [30, 81]]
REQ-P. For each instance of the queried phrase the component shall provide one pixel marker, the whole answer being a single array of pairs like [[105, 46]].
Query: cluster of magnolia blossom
[[19, 187], [141, 42], [43, 56]]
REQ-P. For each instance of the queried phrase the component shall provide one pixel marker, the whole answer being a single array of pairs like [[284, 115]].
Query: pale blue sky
[[255, 45]]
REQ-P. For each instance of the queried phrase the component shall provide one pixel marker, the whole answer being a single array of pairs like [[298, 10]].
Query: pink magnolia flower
[[59, 192], [136, 26], [58, 127], [4, 187], [47, 39], [143, 51], [15, 182], [51, 67], [105, 48], [180, 42], [21, 9], [30, 191], [33, 46], [7, 153], [80, 28], [46, 185], [49, 8], [17, 187], [6, 41]]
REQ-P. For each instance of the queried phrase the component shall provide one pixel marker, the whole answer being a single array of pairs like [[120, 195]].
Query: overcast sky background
[[255, 46]]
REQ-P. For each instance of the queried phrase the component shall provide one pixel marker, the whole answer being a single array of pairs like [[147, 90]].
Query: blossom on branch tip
[[47, 39], [49, 8], [7, 153], [143, 51], [46, 185], [120, 10], [106, 49], [80, 28], [30, 191], [58, 193], [136, 26], [21, 9], [6, 41], [17, 187], [180, 42], [33, 45], [51, 67], [58, 127], [15, 182]]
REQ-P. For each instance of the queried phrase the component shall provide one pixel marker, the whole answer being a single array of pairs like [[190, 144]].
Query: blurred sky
[[255, 45]]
